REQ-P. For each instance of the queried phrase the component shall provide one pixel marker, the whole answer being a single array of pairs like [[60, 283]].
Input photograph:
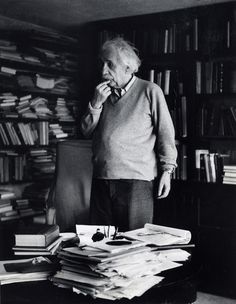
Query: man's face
[[114, 69]]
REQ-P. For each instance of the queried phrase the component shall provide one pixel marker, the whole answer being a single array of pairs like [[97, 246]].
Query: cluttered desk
[[139, 266]]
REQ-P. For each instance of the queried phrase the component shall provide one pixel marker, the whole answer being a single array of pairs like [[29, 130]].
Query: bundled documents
[[113, 268]]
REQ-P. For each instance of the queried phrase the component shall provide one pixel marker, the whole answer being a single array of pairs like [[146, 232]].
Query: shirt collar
[[120, 92]]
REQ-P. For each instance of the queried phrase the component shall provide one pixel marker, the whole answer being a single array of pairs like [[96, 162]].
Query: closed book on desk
[[37, 236]]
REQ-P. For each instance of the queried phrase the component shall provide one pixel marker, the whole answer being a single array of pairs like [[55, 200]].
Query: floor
[[205, 298]]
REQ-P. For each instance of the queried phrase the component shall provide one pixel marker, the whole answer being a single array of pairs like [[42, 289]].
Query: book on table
[[36, 250], [37, 235]]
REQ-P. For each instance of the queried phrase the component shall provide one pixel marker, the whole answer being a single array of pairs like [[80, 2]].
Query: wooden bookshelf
[[38, 107], [190, 54]]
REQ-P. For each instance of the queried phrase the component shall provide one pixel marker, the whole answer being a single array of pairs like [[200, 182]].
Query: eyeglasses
[[98, 236]]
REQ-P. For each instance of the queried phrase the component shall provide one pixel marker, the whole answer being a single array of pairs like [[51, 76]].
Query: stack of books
[[7, 211], [115, 268], [37, 240], [42, 162], [61, 110], [56, 131], [229, 174], [24, 208]]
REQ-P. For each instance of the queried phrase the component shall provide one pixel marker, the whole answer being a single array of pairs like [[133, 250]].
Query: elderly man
[[134, 149]]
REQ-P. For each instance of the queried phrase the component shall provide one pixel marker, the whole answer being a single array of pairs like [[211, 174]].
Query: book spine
[[167, 82], [195, 34], [198, 77]]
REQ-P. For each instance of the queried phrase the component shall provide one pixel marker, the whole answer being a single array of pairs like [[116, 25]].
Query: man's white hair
[[127, 52]]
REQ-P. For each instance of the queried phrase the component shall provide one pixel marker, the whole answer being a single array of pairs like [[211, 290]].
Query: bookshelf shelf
[[218, 138], [216, 95], [22, 66], [171, 59]]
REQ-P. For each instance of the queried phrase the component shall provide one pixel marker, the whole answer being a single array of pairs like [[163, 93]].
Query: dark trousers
[[125, 203]]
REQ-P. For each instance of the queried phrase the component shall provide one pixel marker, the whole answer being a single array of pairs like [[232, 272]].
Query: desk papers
[[125, 267], [159, 235], [85, 232], [9, 277], [102, 274]]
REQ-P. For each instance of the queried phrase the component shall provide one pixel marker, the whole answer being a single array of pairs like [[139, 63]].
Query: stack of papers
[[112, 274], [114, 266]]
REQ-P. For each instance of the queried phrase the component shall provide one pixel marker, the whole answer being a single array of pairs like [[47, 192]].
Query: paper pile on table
[[101, 274]]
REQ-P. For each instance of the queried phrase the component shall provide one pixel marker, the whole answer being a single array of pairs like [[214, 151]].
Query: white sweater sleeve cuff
[[93, 110]]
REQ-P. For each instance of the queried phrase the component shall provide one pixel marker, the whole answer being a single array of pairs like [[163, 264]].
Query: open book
[[159, 235]]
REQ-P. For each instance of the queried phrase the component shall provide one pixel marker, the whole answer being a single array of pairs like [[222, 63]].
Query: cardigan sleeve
[[164, 128], [90, 120]]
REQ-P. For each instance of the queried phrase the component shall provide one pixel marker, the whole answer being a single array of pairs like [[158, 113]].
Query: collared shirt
[[121, 91]]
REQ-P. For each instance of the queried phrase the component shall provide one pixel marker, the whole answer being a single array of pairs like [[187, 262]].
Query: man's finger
[[100, 85]]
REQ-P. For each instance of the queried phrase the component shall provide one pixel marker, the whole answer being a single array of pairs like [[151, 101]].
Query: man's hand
[[164, 185], [102, 91]]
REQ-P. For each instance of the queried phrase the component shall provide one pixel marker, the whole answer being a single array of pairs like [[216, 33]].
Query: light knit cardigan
[[133, 136]]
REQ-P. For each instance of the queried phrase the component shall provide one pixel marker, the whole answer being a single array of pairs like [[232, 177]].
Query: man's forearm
[[90, 120]]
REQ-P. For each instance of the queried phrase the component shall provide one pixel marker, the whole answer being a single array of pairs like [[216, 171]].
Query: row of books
[[172, 85], [214, 77], [178, 108], [210, 167], [23, 166], [168, 79], [185, 36], [33, 133], [172, 38], [216, 120], [20, 133], [12, 166], [27, 106]]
